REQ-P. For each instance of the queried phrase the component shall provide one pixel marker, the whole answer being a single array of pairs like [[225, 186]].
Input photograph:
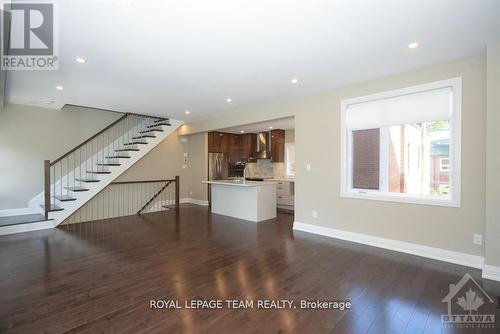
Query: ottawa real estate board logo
[[29, 36], [468, 306]]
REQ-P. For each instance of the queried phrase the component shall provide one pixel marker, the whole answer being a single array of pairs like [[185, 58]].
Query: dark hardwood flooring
[[99, 277]]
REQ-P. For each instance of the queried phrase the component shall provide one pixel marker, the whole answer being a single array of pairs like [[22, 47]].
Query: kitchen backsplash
[[266, 169]]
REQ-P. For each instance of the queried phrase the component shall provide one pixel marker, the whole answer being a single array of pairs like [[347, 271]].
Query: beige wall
[[197, 166], [493, 157], [317, 141], [290, 136], [29, 135]]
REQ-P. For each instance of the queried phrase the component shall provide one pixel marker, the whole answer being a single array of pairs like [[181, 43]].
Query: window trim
[[454, 200], [286, 160]]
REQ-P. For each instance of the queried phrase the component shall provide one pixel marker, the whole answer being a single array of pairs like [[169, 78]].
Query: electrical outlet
[[477, 239], [315, 214], [308, 167], [190, 192]]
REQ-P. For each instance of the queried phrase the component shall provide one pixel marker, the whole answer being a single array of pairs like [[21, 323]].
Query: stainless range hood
[[263, 146]]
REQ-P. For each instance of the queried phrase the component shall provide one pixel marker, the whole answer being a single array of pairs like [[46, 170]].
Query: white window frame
[[454, 199], [287, 161]]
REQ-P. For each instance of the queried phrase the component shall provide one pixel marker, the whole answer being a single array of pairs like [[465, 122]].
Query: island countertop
[[240, 183]]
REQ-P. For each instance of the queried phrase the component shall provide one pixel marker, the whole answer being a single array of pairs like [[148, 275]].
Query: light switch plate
[[308, 167], [477, 239], [315, 214]]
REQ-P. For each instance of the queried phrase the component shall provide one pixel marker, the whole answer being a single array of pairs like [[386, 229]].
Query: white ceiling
[[281, 123], [164, 56]]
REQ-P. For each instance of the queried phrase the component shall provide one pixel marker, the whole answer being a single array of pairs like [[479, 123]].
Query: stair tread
[[136, 143], [76, 189], [64, 198], [162, 120], [87, 180], [109, 164], [118, 157], [98, 172], [159, 124], [169, 207], [128, 150], [152, 130], [145, 136], [52, 207]]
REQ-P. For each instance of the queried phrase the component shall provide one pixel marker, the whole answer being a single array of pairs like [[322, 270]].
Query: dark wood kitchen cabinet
[[248, 143], [234, 148], [278, 145], [218, 142]]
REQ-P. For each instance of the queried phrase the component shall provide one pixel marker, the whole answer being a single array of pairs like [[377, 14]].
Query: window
[[403, 145], [290, 159], [444, 164]]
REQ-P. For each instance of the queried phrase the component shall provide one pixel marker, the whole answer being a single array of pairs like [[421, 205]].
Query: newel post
[[177, 191], [46, 173]]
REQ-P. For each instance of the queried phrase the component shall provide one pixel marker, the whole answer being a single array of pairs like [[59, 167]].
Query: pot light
[[413, 45], [229, 100], [294, 80], [270, 127], [187, 112], [80, 60], [59, 87], [242, 131]]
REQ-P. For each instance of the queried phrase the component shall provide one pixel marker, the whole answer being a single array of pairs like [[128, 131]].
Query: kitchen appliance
[[217, 166], [263, 146], [217, 170]]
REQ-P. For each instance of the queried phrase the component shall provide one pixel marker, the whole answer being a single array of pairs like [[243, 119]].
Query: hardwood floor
[[100, 277]]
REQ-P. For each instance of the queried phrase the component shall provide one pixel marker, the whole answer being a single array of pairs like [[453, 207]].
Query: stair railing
[[70, 173], [126, 198]]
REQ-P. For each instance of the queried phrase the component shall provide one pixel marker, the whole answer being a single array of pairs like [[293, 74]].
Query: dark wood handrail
[[86, 141], [145, 181]]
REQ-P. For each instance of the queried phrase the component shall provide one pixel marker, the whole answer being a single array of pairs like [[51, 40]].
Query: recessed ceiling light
[[229, 100], [80, 60], [270, 127], [242, 131], [59, 87], [49, 102], [294, 80], [187, 112], [413, 45]]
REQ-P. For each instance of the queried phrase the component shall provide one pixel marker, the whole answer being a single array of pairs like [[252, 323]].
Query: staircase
[[80, 174]]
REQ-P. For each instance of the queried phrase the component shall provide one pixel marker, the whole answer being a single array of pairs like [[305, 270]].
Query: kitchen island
[[248, 200]]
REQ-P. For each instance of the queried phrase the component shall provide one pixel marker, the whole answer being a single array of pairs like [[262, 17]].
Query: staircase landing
[[24, 223]]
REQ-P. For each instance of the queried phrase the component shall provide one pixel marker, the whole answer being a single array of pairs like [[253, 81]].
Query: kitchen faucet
[[245, 173]]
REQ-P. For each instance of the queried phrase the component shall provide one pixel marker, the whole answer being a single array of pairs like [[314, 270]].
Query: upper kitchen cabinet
[[234, 147], [278, 145], [248, 143], [218, 142]]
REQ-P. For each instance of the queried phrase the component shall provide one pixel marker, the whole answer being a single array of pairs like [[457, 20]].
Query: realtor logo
[[29, 36], [465, 300]]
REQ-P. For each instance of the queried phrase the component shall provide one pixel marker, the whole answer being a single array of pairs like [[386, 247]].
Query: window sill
[[419, 200]]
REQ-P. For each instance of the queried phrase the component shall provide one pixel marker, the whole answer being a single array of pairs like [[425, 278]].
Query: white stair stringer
[[71, 207]]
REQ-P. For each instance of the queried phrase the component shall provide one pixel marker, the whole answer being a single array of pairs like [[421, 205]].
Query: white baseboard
[[491, 272], [16, 212], [194, 201], [462, 259], [11, 229]]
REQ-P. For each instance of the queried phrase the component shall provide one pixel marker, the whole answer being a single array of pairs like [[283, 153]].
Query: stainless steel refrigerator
[[218, 164]]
